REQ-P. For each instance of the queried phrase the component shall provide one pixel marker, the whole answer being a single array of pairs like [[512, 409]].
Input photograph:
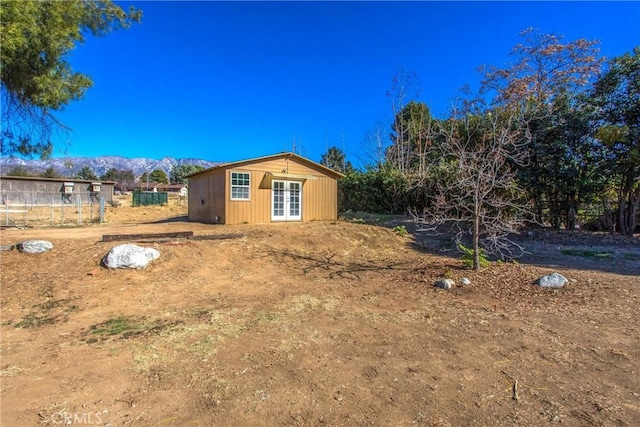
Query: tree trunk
[[555, 211], [632, 212], [627, 207], [572, 212], [622, 229], [476, 241]]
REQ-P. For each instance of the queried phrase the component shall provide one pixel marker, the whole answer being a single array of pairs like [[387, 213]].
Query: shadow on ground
[[578, 249], [563, 250], [181, 218]]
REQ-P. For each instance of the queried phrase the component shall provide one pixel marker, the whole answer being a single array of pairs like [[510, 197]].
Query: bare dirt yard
[[320, 323]]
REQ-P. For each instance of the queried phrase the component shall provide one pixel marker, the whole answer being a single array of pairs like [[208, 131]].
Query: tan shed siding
[[197, 192], [262, 199], [194, 187], [320, 200], [284, 166], [330, 202], [216, 192], [257, 209], [206, 197]]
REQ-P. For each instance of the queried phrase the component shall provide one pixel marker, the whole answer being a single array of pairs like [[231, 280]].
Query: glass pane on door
[[294, 200], [278, 199]]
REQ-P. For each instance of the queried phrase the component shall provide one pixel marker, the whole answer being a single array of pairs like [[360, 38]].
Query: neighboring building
[[281, 187], [179, 189], [147, 186], [156, 187], [18, 190]]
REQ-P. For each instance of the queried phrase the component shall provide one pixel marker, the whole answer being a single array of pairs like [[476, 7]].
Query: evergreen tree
[[158, 175], [86, 173], [336, 159], [36, 78], [179, 173]]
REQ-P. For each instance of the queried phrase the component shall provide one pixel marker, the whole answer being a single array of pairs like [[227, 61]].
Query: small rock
[[35, 246], [445, 284], [465, 281], [129, 256], [7, 247], [553, 280]]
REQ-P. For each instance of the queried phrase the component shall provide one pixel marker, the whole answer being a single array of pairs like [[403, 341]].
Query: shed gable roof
[[288, 155], [37, 178]]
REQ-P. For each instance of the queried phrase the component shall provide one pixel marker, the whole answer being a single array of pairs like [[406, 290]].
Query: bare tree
[[405, 87], [475, 189], [374, 146], [546, 66]]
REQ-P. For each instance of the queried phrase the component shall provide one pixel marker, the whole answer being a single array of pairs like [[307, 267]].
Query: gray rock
[[445, 283], [553, 280], [129, 256], [35, 246], [465, 281]]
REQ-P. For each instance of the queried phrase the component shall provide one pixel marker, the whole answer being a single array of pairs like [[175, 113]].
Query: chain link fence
[[31, 208]]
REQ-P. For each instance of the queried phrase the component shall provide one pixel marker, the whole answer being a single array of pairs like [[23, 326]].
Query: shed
[[280, 187], [53, 191]]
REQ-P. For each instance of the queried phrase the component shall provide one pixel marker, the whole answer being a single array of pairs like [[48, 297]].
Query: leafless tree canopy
[[545, 67], [473, 170]]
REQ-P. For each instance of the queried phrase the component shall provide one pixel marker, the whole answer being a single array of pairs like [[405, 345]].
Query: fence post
[[52, 211], [79, 206], [101, 209], [25, 212]]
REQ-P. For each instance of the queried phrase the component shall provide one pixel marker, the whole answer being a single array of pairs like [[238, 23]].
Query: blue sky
[[226, 81]]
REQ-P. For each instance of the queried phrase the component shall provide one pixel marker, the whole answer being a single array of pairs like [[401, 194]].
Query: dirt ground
[[317, 323]]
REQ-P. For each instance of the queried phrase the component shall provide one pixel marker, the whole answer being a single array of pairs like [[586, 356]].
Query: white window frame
[[247, 186]]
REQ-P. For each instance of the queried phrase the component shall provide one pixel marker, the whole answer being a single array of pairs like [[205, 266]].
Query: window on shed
[[240, 184]]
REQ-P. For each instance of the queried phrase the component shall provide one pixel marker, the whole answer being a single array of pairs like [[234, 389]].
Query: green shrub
[[400, 230], [467, 256], [384, 191]]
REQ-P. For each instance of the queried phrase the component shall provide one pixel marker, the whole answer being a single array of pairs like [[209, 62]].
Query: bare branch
[[475, 191]]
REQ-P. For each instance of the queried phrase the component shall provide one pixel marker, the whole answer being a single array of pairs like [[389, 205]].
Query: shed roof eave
[[321, 168], [291, 176]]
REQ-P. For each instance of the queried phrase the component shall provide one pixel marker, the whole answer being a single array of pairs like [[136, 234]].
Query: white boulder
[[35, 246], [445, 283], [553, 280], [129, 256]]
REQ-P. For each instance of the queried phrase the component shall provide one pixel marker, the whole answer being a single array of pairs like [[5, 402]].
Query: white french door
[[286, 200]]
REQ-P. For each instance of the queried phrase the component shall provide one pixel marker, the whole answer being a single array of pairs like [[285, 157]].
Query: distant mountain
[[69, 166]]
